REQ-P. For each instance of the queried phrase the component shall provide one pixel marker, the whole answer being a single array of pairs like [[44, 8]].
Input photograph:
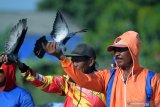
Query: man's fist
[[51, 48], [3, 59]]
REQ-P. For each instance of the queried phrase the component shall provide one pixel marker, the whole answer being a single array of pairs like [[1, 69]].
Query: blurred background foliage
[[105, 19]]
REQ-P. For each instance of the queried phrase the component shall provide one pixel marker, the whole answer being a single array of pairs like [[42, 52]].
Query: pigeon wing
[[70, 35], [16, 37], [60, 28]]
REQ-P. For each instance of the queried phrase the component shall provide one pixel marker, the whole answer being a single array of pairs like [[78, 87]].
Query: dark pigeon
[[15, 40]]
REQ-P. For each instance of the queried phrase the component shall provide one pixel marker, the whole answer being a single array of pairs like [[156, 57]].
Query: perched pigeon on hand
[[60, 34], [15, 40]]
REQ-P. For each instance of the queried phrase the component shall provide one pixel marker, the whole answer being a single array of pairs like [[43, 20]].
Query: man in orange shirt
[[128, 84]]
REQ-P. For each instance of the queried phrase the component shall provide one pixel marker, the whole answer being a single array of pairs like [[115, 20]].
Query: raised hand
[[51, 49], [4, 59]]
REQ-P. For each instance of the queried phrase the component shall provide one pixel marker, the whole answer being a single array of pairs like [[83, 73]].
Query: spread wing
[[60, 28], [16, 37], [70, 35]]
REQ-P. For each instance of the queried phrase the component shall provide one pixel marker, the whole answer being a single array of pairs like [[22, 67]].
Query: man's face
[[81, 63], [123, 58], [2, 78]]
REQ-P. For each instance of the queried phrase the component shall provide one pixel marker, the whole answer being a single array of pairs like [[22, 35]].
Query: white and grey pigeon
[[60, 34], [15, 40]]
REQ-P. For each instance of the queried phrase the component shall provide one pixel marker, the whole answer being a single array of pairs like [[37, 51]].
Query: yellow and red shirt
[[75, 95]]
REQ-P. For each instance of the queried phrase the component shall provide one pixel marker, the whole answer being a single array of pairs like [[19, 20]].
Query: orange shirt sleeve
[[156, 90], [95, 81]]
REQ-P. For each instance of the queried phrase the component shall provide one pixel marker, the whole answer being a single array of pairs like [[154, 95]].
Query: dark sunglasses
[[79, 58], [120, 49]]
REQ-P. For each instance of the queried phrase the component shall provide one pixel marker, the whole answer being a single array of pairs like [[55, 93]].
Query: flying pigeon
[[60, 34], [15, 40]]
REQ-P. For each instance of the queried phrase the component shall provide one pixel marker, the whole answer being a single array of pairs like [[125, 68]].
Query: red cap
[[119, 44]]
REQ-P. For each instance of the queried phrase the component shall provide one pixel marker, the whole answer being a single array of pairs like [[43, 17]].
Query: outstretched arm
[[95, 81], [50, 84]]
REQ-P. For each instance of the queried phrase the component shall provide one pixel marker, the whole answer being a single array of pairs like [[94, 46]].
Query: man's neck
[[127, 72]]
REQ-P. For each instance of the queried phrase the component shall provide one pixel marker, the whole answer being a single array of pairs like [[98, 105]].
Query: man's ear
[[91, 62]]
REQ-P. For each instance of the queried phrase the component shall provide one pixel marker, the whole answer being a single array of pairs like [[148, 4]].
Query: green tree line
[[107, 19]]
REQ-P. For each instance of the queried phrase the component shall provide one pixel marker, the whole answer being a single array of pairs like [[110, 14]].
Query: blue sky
[[18, 5]]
